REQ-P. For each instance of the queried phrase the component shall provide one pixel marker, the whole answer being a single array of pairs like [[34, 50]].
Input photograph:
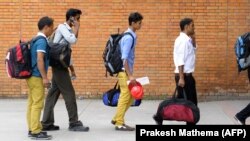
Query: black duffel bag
[[177, 109]]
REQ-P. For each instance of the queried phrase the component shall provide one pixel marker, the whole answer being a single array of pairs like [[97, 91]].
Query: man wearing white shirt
[[184, 60]]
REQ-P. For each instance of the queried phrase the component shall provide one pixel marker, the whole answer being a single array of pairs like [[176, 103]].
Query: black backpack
[[112, 53], [18, 60], [60, 53]]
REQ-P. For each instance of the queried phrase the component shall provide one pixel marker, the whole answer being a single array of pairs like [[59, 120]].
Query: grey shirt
[[64, 34]]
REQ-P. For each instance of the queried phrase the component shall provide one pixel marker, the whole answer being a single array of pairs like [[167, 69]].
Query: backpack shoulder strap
[[38, 37], [34, 39], [52, 36], [128, 33]]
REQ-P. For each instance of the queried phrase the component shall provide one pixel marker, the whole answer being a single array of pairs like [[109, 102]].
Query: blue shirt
[[40, 45], [126, 51]]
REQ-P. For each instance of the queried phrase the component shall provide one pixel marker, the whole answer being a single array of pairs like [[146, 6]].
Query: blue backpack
[[242, 51]]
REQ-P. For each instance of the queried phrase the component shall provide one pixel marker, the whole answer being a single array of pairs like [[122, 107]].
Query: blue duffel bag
[[110, 98]]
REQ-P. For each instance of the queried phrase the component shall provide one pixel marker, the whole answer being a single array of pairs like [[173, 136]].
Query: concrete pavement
[[93, 113]]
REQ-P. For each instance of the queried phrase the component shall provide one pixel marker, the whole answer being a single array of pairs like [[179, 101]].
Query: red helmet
[[136, 90]]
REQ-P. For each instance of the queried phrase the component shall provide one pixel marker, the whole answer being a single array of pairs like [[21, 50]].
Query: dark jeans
[[244, 113], [189, 88], [61, 84]]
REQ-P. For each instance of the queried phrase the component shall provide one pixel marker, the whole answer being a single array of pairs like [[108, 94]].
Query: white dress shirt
[[184, 53]]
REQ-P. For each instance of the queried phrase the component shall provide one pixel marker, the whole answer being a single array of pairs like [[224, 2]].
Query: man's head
[[46, 25], [73, 14], [135, 20], [187, 26]]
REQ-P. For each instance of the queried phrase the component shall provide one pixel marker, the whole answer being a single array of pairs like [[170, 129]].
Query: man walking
[[61, 81], [127, 45], [184, 60]]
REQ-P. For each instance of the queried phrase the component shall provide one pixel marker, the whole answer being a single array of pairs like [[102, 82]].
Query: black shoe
[[124, 127], [158, 120], [30, 134], [239, 120], [41, 136], [113, 122], [51, 128], [78, 126]]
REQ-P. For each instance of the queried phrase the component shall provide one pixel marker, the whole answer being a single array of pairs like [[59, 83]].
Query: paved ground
[[94, 114]]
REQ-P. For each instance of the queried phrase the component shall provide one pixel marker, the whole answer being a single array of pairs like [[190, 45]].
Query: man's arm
[[193, 40], [76, 28], [181, 82], [180, 62], [126, 44], [67, 35], [129, 73], [41, 68]]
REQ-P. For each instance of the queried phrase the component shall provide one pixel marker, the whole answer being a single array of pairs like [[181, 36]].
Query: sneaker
[[41, 136], [78, 126], [158, 121], [241, 122], [113, 122], [73, 77], [51, 128], [30, 134], [124, 127]]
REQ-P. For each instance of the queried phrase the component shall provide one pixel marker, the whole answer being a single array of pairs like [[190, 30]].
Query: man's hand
[[46, 83], [181, 82], [76, 27], [132, 80], [76, 24]]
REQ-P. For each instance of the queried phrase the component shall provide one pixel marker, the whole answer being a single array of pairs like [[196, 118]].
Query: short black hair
[[134, 17], [45, 21], [72, 12], [184, 22]]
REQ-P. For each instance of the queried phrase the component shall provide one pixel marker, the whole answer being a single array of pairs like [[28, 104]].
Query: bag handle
[[112, 93], [116, 84], [183, 92]]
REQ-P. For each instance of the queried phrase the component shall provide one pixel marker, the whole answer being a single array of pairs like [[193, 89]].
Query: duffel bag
[[177, 109], [111, 97]]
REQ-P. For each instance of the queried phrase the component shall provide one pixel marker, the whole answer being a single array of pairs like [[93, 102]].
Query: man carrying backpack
[[128, 55], [38, 80], [61, 81]]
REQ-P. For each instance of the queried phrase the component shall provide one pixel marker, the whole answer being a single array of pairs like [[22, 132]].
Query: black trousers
[[189, 88], [244, 113], [61, 84]]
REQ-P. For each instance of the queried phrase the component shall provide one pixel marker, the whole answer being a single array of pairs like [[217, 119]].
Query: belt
[[185, 74]]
